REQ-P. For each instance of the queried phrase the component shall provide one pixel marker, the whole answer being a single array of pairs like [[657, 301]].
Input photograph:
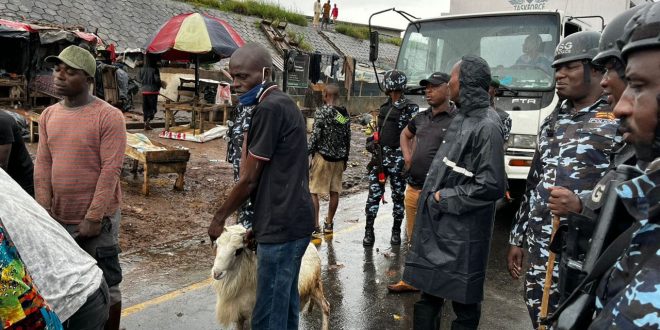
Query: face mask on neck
[[251, 97]]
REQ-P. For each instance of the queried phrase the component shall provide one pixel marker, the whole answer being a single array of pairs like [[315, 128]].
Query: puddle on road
[[158, 270]]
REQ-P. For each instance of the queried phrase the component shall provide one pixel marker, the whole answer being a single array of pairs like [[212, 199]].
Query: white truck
[[527, 91]]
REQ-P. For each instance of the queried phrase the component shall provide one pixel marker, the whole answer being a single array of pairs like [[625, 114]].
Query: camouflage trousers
[[393, 168], [535, 281]]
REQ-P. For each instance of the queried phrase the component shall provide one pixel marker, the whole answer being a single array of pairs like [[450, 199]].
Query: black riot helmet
[[608, 48], [642, 31], [577, 46], [395, 80]]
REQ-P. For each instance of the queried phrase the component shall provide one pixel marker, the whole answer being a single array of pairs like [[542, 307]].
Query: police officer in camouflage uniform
[[393, 117], [583, 210], [563, 201], [573, 150], [628, 295]]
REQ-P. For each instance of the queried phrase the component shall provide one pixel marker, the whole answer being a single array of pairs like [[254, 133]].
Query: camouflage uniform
[[331, 135], [628, 296], [235, 135], [574, 152], [392, 166]]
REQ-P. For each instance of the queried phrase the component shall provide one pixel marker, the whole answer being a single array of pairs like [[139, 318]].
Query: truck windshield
[[518, 48]]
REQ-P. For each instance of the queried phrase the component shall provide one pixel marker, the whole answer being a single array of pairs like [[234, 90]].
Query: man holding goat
[[275, 178]]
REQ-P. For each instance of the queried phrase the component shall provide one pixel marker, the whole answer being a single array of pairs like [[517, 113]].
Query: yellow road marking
[[199, 285], [166, 297], [349, 229]]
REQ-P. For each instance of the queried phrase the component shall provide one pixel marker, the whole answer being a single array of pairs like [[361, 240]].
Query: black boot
[[396, 233], [369, 237]]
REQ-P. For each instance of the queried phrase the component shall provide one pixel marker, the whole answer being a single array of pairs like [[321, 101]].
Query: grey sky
[[359, 10]]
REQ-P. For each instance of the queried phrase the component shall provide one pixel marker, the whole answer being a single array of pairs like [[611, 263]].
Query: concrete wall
[[364, 104]]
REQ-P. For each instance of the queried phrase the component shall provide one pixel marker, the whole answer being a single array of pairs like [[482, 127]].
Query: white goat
[[235, 274]]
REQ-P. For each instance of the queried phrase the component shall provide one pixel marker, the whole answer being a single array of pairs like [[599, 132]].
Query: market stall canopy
[[52, 36], [188, 35], [89, 37], [47, 34], [10, 29]]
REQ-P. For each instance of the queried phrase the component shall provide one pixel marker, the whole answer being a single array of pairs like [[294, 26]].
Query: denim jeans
[[278, 303]]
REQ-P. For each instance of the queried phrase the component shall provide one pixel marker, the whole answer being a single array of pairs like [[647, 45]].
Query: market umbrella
[[194, 37]]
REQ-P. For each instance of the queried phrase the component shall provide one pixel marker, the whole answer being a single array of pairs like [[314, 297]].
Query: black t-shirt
[[282, 203], [20, 166], [429, 133]]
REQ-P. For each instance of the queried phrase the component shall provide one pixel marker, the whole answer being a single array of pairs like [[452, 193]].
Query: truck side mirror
[[373, 46]]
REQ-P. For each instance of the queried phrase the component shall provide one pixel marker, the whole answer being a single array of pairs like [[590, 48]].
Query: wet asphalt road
[[168, 287]]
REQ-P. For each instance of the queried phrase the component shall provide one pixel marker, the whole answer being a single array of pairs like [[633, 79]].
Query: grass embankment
[[253, 8], [362, 32]]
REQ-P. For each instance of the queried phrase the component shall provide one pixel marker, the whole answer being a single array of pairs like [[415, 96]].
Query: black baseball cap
[[436, 78]]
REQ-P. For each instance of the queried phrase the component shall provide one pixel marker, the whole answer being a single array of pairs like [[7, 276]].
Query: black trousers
[[426, 314], [149, 106]]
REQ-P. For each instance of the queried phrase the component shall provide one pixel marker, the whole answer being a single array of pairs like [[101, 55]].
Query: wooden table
[[13, 89], [197, 111], [32, 119], [172, 160]]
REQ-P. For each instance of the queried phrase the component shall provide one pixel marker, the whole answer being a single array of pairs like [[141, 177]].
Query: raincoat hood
[[474, 80]]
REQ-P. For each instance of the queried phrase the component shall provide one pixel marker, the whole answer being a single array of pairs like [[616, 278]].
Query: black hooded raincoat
[[451, 239]]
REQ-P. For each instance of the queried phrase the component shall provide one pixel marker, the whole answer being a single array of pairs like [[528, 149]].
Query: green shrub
[[358, 32], [393, 41], [362, 32], [299, 38], [253, 8]]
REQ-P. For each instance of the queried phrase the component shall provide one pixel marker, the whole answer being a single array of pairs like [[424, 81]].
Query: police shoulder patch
[[341, 118], [602, 121], [605, 115], [598, 192]]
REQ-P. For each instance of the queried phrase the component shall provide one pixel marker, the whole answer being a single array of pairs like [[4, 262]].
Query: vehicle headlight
[[522, 141]]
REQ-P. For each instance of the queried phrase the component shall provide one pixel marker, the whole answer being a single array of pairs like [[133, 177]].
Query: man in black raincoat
[[456, 207]]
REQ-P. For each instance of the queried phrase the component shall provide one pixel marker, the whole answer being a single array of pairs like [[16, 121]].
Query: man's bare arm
[[406, 141]]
